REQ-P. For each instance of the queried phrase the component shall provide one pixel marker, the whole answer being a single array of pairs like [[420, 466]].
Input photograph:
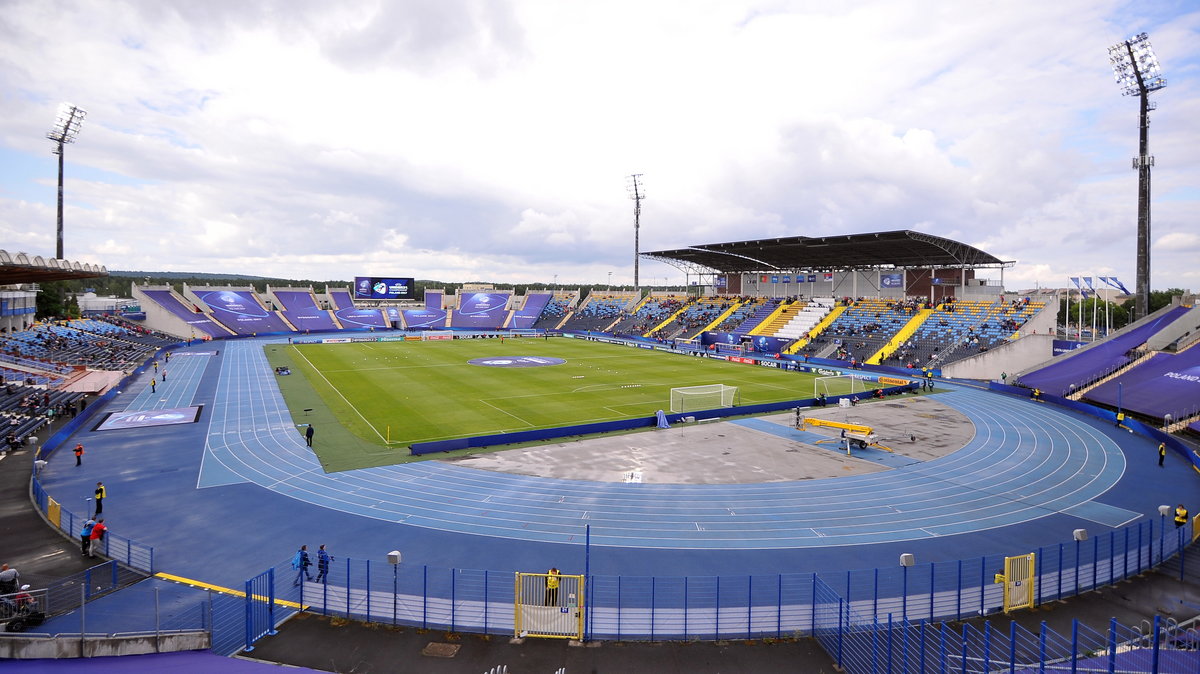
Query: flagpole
[[1095, 299]]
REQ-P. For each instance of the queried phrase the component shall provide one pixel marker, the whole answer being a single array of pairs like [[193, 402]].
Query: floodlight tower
[[637, 192], [1139, 74], [66, 128]]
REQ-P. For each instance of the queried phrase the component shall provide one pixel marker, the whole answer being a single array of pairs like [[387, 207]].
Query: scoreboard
[[383, 288]]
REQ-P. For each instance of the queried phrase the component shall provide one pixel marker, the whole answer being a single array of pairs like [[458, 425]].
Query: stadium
[[831, 418], [833, 454]]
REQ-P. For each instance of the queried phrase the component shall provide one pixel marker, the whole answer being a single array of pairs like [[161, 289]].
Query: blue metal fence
[[733, 607], [858, 643], [114, 546]]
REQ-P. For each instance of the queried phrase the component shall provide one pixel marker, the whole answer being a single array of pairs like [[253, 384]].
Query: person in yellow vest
[[1162, 453], [1181, 516], [552, 580]]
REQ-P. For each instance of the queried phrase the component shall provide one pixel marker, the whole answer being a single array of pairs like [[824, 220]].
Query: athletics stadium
[[849, 439]]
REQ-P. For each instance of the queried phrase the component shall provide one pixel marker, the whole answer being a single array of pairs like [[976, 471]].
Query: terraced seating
[[694, 318], [650, 314], [963, 328], [556, 308], [806, 318], [598, 312], [531, 310], [762, 313], [866, 326], [740, 315]]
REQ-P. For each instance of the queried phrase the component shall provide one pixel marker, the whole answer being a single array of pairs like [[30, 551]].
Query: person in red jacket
[[97, 536]]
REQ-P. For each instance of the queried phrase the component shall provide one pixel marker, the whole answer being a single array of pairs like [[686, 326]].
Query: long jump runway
[[236, 492]]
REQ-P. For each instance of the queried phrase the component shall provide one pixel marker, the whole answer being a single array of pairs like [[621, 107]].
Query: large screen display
[[380, 288]]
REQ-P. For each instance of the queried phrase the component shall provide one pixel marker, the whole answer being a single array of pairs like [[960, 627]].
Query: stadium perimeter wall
[[1009, 357]]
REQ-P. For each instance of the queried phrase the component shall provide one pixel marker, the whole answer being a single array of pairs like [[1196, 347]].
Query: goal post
[[706, 397], [842, 384]]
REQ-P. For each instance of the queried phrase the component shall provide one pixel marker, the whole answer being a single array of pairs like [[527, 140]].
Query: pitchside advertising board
[[383, 288]]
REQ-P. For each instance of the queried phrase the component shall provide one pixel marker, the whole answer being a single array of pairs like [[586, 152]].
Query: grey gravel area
[[726, 452]]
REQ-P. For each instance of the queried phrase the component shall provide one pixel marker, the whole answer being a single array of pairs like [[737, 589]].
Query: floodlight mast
[[637, 192], [66, 129], [1138, 74]]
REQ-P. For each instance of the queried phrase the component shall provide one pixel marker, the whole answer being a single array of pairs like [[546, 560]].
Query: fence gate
[[548, 606], [260, 607], [1018, 582]]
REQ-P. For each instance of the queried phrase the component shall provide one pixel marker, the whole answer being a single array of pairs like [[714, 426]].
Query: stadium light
[[637, 192], [1139, 74], [66, 129]]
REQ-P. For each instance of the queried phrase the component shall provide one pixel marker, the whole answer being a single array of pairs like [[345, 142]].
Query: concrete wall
[[1011, 357], [19, 647], [1183, 327], [158, 318]]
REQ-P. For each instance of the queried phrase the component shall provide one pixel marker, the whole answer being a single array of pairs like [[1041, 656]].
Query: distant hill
[[184, 274]]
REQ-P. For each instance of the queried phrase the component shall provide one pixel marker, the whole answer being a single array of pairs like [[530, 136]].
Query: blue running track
[[224, 498]]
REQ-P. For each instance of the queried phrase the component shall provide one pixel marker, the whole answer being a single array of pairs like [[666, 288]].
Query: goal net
[[838, 385], [707, 397]]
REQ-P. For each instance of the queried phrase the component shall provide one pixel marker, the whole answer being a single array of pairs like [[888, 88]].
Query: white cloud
[[480, 140]]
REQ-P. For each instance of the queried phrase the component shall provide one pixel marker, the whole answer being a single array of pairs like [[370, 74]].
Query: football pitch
[[392, 394]]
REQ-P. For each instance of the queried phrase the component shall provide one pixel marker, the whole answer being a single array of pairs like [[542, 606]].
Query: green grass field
[[392, 394]]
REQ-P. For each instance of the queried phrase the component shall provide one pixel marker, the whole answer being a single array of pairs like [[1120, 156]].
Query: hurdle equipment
[[856, 435]]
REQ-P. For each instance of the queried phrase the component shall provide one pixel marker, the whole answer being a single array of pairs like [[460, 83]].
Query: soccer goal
[[707, 397], [842, 384]]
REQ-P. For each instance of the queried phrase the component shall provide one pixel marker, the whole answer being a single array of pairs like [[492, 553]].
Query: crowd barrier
[[114, 546], [729, 607]]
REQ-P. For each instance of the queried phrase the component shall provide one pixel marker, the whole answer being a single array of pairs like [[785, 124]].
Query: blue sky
[[480, 140]]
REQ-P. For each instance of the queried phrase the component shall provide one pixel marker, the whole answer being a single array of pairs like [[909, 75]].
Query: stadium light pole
[[66, 129], [1138, 74], [637, 192]]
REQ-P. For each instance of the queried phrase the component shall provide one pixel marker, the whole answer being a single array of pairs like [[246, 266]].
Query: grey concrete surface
[[729, 453]]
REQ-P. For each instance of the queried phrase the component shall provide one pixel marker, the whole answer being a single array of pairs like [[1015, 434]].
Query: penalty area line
[[335, 390]]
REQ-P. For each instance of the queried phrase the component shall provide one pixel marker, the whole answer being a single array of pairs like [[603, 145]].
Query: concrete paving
[[917, 428]]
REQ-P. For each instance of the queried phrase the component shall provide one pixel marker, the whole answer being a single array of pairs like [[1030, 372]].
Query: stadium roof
[[902, 249], [21, 268]]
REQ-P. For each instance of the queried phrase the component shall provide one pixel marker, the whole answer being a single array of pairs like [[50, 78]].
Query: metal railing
[[114, 546]]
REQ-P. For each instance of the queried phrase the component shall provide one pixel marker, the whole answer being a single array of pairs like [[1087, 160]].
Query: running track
[[1029, 474]]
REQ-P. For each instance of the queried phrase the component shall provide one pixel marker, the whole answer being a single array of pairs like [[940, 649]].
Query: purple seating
[[481, 310], [240, 311], [760, 315], [1166, 384], [300, 308], [527, 315], [352, 318], [1086, 365], [427, 319], [196, 319]]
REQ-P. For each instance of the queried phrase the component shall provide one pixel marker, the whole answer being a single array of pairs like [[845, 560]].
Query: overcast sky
[[483, 140]]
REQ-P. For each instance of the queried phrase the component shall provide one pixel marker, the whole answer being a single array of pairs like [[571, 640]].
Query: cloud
[[468, 139]]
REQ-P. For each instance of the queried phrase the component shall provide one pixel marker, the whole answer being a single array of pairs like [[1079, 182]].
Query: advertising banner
[[1062, 346], [769, 344], [891, 280], [707, 338]]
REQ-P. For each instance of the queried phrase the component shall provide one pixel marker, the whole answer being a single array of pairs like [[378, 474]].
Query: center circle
[[516, 361]]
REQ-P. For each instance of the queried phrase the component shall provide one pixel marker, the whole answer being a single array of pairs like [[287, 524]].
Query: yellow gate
[[548, 605], [1018, 582]]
